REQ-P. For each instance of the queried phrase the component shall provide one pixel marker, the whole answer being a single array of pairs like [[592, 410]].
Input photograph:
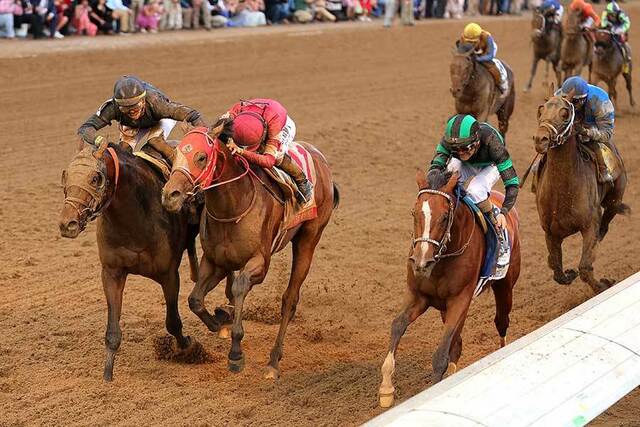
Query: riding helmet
[[613, 10], [249, 129], [462, 130], [472, 32], [128, 91], [578, 84]]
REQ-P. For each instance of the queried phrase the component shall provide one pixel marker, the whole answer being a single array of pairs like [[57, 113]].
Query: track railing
[[564, 374]]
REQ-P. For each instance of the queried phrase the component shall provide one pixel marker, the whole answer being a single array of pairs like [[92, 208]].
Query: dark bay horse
[[575, 50], [443, 270], [608, 64], [475, 91], [238, 230], [135, 234], [568, 196], [546, 38]]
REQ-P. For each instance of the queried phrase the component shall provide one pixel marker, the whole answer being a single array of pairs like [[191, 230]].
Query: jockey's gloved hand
[[99, 139]]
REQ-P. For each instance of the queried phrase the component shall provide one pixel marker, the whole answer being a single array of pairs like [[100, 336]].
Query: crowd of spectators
[[60, 18]]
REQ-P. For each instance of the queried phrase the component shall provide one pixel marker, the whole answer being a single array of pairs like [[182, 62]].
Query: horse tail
[[336, 196], [623, 209]]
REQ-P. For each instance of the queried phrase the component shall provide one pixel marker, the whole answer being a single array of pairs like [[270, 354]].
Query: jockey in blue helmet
[[552, 8], [594, 117]]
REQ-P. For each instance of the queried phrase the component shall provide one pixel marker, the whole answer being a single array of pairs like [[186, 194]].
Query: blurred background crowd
[[61, 18]]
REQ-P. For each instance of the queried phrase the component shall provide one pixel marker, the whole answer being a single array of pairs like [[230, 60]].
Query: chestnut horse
[[135, 234], [608, 64], [546, 38], [238, 230], [575, 49], [568, 196], [474, 89], [443, 270]]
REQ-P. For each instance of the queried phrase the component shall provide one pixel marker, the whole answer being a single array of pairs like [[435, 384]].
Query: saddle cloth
[[294, 213], [490, 269]]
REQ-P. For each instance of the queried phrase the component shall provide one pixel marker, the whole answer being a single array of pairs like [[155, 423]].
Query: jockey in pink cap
[[262, 132]]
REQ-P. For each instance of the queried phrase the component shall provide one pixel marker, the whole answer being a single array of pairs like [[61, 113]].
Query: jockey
[[478, 153], [590, 18], [552, 8], [594, 117], [261, 132], [618, 22], [485, 50], [142, 111]]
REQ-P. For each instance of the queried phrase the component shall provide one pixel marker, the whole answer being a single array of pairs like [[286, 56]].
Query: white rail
[[564, 374]]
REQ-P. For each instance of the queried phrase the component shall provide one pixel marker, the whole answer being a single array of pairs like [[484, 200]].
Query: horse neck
[[460, 229], [230, 199], [134, 196], [564, 162]]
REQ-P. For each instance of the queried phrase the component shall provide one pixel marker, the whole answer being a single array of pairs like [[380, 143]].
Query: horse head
[[571, 25], [86, 185], [538, 25], [193, 169], [462, 67], [432, 219], [555, 121]]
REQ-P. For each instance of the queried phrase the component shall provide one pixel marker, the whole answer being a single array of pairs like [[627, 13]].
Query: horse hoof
[[386, 400], [108, 376], [503, 341], [271, 373], [236, 366], [451, 369], [603, 285], [565, 278], [224, 314], [224, 333]]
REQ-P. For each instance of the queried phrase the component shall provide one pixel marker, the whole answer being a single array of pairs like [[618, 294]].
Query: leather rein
[[93, 207], [441, 245]]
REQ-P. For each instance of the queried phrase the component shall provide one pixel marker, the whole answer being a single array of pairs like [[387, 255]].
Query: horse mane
[[436, 179]]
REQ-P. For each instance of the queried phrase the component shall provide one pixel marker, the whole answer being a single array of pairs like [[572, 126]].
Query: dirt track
[[374, 101]]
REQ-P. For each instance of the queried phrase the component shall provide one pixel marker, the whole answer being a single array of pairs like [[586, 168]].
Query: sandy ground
[[374, 101]]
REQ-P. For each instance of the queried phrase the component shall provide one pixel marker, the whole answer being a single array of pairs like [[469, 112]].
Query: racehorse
[[135, 234], [475, 91], [239, 229], [608, 64], [568, 196], [443, 270], [575, 49], [546, 38]]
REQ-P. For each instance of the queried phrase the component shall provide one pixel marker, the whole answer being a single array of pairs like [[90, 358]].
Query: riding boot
[[495, 73], [603, 171], [160, 145], [304, 193], [491, 212]]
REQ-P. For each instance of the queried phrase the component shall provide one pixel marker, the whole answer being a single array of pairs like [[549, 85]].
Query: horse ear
[[104, 143], [551, 91], [421, 179]]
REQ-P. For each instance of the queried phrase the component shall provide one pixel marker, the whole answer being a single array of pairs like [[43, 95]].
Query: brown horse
[[568, 195], [443, 270], [474, 89], [608, 64], [135, 234], [238, 231], [546, 38], [575, 50]]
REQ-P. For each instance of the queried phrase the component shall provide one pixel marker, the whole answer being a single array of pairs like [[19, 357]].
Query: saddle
[[153, 157]]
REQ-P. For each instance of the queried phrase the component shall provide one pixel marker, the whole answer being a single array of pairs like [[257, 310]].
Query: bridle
[[206, 180], [93, 207], [441, 244], [558, 136]]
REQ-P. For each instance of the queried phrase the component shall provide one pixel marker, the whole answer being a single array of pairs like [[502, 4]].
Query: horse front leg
[[613, 94], [209, 275], [554, 246], [170, 289], [113, 281], [589, 242], [411, 312], [253, 273], [454, 318], [534, 67]]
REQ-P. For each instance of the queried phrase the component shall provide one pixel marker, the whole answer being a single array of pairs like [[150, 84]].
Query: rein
[[442, 244], [93, 207]]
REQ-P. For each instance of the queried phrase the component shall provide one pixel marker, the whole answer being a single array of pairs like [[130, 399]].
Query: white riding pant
[[504, 83], [478, 182], [135, 136], [286, 136]]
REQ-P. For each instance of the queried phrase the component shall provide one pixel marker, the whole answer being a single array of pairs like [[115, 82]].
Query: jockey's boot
[[495, 73], [160, 145], [603, 170], [304, 193], [491, 212]]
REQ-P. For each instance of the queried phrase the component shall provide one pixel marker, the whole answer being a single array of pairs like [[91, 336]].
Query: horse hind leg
[[411, 312], [304, 245], [627, 80], [589, 242], [503, 295], [534, 67], [554, 246], [113, 284], [455, 316]]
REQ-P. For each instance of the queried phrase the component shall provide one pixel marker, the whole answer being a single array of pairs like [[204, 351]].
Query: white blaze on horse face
[[426, 232]]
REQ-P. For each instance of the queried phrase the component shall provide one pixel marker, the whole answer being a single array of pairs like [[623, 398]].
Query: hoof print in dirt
[[166, 349]]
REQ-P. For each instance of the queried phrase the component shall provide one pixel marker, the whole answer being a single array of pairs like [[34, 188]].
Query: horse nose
[[171, 200], [541, 142], [70, 229], [423, 265]]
